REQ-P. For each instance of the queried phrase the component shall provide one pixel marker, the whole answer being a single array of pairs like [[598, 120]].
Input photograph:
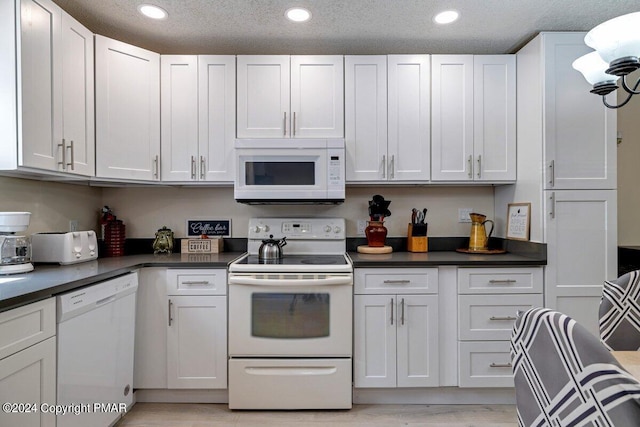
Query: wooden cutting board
[[364, 249]]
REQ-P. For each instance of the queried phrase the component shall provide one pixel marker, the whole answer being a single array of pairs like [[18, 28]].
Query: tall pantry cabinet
[[567, 170]]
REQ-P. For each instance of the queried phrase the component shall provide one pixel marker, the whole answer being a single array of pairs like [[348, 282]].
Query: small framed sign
[[209, 227], [518, 221]]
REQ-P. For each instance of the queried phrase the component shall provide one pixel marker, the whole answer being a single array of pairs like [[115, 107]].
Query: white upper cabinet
[[127, 111], [409, 117], [197, 109], [387, 114], [473, 118], [365, 81], [579, 131], [292, 97], [78, 105], [217, 117], [54, 89]]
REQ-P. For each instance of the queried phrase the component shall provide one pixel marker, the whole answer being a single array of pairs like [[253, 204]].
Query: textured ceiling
[[340, 26]]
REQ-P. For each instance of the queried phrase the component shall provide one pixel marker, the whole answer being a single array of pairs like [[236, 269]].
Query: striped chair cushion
[[619, 313], [565, 377]]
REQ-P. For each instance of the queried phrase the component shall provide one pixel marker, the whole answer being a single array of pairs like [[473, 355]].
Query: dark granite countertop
[[47, 280]]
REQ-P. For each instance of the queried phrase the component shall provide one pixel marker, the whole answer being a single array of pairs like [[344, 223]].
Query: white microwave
[[289, 171]]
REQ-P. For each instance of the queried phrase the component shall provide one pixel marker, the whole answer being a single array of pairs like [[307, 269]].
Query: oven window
[[280, 173], [289, 315]]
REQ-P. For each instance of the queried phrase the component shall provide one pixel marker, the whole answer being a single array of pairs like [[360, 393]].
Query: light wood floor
[[214, 415]]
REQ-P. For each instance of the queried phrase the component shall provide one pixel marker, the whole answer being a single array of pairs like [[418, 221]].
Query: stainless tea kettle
[[271, 248]]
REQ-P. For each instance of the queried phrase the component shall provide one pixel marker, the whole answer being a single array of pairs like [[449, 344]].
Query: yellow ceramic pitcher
[[478, 240]]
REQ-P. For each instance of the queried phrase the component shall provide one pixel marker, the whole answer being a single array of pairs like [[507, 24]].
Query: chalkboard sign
[[209, 227]]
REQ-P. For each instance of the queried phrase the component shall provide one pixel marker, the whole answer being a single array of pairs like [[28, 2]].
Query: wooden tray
[[483, 252], [364, 249]]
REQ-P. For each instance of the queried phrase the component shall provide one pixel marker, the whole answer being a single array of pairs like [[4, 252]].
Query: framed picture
[[208, 227], [518, 221]]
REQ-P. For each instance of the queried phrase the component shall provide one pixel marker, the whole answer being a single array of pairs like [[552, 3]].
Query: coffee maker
[[15, 250]]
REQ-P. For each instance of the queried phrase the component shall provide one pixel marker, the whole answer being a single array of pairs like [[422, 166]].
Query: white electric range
[[290, 320]]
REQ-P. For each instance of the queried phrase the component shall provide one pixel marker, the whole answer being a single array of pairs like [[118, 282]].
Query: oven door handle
[[329, 281]]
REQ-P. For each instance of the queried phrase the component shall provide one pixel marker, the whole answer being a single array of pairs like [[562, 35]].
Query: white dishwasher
[[96, 329]]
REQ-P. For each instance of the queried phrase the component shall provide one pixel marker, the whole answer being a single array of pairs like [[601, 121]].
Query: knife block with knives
[[417, 238]]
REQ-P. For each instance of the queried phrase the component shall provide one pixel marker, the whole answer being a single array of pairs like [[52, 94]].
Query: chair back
[[564, 376], [619, 313]]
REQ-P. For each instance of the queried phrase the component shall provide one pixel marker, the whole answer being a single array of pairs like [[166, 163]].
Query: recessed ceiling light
[[446, 17], [298, 14], [153, 12]]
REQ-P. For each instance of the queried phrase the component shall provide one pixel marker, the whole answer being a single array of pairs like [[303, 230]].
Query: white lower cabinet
[[181, 329], [396, 334], [489, 300], [28, 370]]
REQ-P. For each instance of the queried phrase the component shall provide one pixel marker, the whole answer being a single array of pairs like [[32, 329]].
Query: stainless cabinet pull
[[63, 162], [193, 168], [384, 166], [502, 281], [392, 311], [479, 165], [170, 318], [196, 282], [402, 313], [293, 128], [156, 172], [552, 205], [502, 318], [552, 173], [396, 281], [284, 123], [202, 167], [393, 166], [72, 160], [500, 365], [470, 166]]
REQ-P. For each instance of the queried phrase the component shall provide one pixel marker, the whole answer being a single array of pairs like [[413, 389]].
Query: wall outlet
[[73, 225], [362, 224], [463, 214]]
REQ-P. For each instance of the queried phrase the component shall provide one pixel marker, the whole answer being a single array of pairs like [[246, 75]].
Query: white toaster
[[64, 247]]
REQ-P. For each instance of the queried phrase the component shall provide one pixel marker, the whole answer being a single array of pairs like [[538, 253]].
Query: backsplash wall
[[146, 209]]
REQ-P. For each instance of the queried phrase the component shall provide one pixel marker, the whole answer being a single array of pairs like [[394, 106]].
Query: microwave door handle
[[329, 281]]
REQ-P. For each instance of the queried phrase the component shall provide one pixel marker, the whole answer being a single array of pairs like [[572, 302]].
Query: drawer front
[[24, 326], [197, 281], [396, 280], [485, 364], [491, 318], [500, 280]]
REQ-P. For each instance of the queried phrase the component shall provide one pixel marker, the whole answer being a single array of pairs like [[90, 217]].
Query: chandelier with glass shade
[[617, 48]]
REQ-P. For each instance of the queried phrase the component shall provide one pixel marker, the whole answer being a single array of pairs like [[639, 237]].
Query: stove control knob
[[256, 229], [337, 229], [265, 228], [327, 228]]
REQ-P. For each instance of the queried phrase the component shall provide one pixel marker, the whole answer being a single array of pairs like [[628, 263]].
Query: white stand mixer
[[15, 251]]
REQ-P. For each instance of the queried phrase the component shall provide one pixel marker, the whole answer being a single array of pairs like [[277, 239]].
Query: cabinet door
[[152, 318], [417, 341], [317, 96], [263, 96], [580, 132], [409, 117], [581, 236], [127, 111], [452, 118], [78, 98], [41, 71], [29, 377], [494, 119], [365, 82], [217, 117], [374, 352], [197, 342], [179, 111]]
